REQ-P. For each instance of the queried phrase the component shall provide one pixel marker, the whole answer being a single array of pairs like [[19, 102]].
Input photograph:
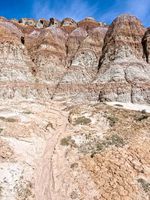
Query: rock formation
[[78, 60], [146, 45], [16, 67], [122, 70]]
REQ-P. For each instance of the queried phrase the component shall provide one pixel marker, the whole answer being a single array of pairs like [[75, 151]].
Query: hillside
[[74, 109]]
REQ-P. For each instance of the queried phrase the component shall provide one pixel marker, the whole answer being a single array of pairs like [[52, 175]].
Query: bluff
[[86, 60]]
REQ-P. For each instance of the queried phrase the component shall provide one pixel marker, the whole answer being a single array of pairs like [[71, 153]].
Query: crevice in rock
[[34, 72], [103, 53], [22, 40], [146, 55], [52, 21], [100, 62], [100, 96], [132, 94], [42, 22], [67, 66]]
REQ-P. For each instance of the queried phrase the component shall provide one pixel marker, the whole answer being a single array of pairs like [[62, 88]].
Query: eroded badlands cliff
[[68, 125], [86, 60]]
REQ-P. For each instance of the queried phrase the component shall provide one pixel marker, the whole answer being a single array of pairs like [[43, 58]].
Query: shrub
[[1, 129], [82, 120], [112, 120], [1, 190], [99, 146], [24, 190], [65, 141], [144, 184], [74, 165], [114, 140], [74, 195]]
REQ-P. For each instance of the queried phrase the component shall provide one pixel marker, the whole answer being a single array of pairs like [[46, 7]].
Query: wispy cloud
[[102, 10], [76, 9], [139, 8]]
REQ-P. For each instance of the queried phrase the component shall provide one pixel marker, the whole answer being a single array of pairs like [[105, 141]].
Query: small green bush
[[82, 120], [99, 146], [24, 190], [65, 141], [1, 129], [114, 140], [112, 120], [1, 190], [144, 184], [74, 195], [74, 165]]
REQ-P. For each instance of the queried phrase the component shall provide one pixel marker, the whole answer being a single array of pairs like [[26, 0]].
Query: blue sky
[[102, 10]]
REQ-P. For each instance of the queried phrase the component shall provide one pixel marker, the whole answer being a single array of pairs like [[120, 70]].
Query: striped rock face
[[123, 71], [79, 60], [16, 68]]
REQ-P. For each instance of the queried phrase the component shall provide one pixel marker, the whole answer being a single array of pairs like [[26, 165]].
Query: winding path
[[44, 179]]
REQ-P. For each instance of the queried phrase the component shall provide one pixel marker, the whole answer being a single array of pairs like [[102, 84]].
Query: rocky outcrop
[[123, 40], [89, 23], [16, 68], [29, 22], [54, 22], [146, 45], [68, 25], [123, 72], [84, 61], [42, 23]]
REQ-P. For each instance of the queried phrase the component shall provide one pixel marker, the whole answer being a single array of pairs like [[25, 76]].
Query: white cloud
[[79, 9], [138, 8], [41, 10], [76, 9]]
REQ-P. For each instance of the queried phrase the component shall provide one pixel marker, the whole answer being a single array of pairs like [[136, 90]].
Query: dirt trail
[[44, 179]]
